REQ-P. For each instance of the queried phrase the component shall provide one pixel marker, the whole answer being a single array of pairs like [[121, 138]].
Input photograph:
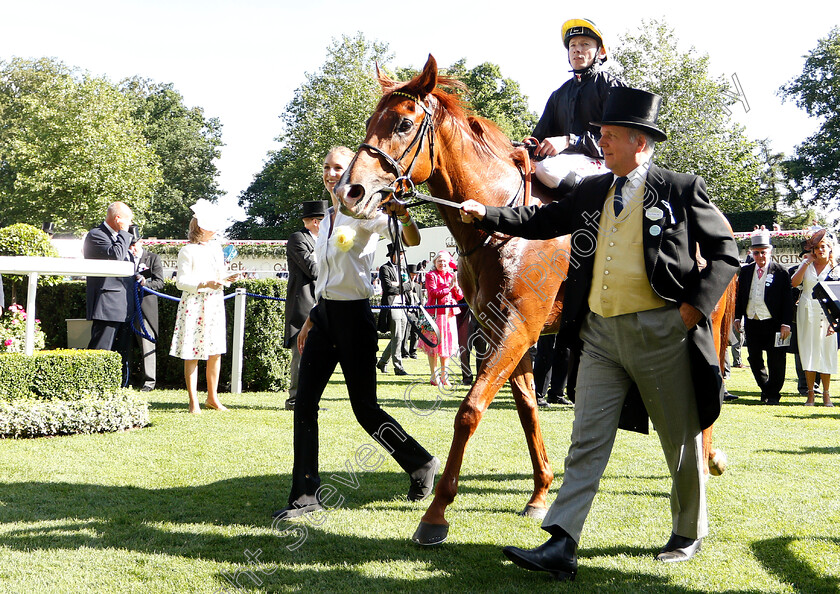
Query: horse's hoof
[[532, 511], [717, 462], [430, 534]]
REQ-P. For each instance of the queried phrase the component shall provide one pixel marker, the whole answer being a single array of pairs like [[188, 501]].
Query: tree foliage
[[702, 137], [329, 109], [186, 144], [815, 166], [68, 147]]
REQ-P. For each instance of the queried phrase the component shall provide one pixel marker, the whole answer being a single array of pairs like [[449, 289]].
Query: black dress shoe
[[305, 504], [679, 548], [727, 397], [423, 480], [400, 371], [554, 399], [542, 402], [556, 556], [290, 404], [381, 366]]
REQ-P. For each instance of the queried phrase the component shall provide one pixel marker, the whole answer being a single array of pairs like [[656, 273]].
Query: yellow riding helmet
[[574, 27]]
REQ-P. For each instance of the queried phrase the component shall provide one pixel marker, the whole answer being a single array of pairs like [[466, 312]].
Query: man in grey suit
[[150, 275], [110, 300], [395, 285], [300, 291], [637, 304]]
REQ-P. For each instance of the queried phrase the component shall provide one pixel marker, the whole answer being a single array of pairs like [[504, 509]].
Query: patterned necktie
[[618, 201], [760, 273]]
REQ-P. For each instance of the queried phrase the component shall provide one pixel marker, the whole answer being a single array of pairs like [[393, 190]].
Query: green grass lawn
[[185, 505]]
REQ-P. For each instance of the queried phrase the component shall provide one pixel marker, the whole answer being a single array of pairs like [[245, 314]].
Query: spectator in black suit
[[395, 284], [300, 291], [764, 299], [414, 297], [150, 275], [110, 300]]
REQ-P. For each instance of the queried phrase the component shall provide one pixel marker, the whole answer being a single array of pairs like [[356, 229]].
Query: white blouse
[[198, 263], [345, 275]]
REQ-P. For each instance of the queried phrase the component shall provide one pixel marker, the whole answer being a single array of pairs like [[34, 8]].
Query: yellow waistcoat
[[619, 278]]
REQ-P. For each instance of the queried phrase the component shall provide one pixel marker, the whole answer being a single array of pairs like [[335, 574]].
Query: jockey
[[564, 131]]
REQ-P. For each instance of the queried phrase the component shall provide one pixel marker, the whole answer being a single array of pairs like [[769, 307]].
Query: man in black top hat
[[395, 284], [637, 306], [300, 291], [149, 269], [765, 300]]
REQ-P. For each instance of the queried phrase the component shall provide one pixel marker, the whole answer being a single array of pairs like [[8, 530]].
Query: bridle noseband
[[403, 178]]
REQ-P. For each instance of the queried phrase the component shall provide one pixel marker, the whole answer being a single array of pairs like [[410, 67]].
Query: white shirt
[[345, 275], [635, 178]]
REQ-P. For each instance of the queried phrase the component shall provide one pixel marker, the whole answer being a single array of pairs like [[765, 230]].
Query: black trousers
[[113, 336], [344, 333], [760, 336]]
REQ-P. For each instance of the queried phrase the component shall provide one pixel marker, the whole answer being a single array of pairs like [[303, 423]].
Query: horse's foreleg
[[522, 382], [433, 525], [495, 370]]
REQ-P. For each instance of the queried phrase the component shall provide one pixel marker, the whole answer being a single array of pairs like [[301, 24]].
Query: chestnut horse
[[514, 286]]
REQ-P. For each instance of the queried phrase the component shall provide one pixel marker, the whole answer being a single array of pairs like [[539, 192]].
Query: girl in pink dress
[[442, 289]]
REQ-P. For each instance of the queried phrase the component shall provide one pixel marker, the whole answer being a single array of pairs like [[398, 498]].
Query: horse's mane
[[488, 140]]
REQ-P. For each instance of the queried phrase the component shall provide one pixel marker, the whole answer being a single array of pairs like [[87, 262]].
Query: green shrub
[[21, 239], [59, 375], [38, 418], [265, 361]]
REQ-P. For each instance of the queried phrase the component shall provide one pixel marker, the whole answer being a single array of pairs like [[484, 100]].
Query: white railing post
[[238, 341], [30, 313]]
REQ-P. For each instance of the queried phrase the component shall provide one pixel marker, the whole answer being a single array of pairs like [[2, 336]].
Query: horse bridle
[[403, 178]]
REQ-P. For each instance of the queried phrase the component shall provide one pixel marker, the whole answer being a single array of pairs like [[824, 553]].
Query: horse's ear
[[385, 81], [426, 81]]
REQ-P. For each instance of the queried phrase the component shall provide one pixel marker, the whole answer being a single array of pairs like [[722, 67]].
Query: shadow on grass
[[778, 558], [317, 553], [806, 450]]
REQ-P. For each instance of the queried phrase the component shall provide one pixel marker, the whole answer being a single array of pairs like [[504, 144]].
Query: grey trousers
[[393, 351], [294, 370], [649, 348]]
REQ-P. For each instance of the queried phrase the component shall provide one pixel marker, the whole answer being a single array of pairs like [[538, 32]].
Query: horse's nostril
[[356, 192]]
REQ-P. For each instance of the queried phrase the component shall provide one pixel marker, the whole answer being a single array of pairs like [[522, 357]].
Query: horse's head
[[399, 145]]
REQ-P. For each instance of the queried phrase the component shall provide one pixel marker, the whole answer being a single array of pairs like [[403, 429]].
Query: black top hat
[[633, 108], [314, 208], [134, 231], [411, 268], [48, 227], [391, 249]]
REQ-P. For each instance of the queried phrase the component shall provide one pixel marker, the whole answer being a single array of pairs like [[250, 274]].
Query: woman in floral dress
[[199, 333]]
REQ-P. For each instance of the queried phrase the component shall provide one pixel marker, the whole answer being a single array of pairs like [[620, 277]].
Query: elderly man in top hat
[[638, 306], [765, 300], [300, 291], [395, 285]]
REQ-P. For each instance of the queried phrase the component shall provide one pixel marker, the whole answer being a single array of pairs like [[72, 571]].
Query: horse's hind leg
[[522, 382]]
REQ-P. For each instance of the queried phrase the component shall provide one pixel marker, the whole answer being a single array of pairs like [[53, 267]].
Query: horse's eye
[[405, 125]]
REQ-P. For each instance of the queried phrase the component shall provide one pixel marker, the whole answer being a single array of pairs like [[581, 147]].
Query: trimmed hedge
[[59, 375], [38, 418], [265, 361]]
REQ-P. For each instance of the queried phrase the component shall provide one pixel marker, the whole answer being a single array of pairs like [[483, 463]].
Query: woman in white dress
[[816, 338], [200, 324]]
